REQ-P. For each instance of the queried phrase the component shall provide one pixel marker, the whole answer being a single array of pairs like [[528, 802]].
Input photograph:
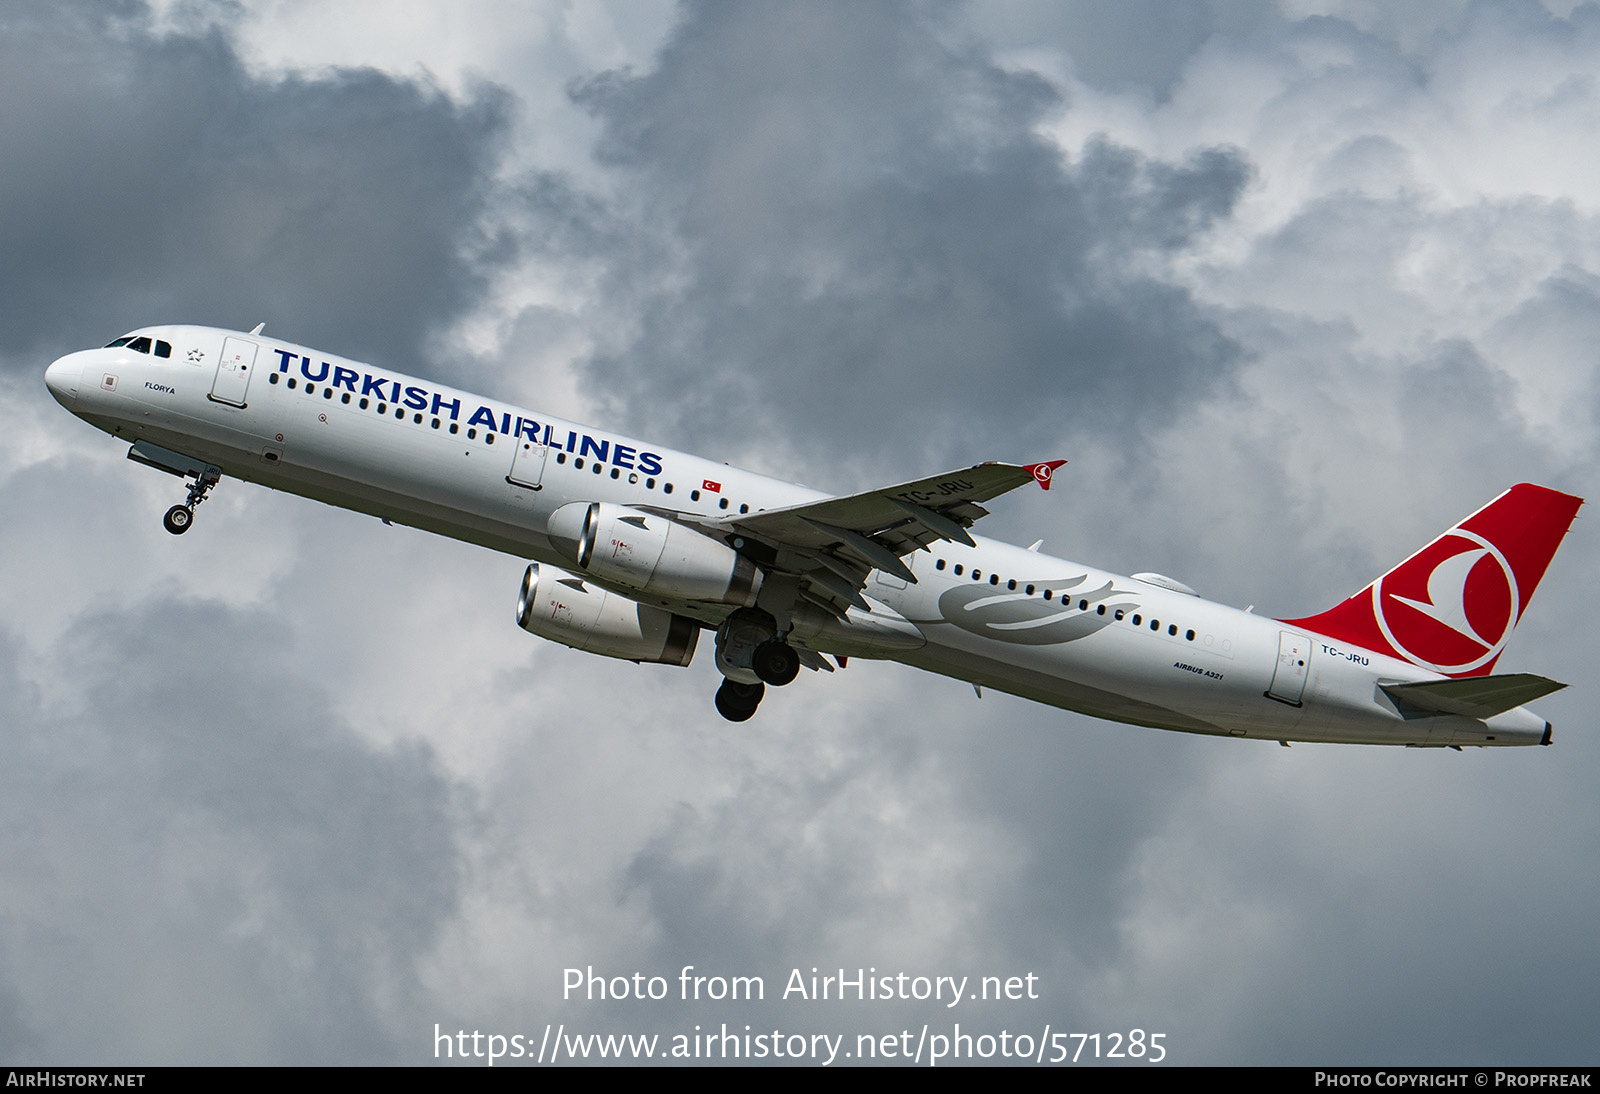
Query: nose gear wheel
[[180, 518]]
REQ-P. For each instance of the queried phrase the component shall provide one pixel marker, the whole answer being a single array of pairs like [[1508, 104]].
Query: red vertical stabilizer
[[1452, 606]]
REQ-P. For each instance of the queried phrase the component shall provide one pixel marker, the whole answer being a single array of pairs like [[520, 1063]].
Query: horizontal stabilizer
[[1473, 696]]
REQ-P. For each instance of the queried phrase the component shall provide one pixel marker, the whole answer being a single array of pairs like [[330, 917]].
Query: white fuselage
[[490, 473]]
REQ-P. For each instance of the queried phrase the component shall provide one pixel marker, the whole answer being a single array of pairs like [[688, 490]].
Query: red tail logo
[[1042, 472], [1452, 606]]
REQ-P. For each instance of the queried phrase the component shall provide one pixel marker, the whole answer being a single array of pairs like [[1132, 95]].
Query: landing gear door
[[527, 465], [233, 371], [1294, 663]]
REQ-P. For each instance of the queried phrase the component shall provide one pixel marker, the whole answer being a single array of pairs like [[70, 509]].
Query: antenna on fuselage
[[258, 328]]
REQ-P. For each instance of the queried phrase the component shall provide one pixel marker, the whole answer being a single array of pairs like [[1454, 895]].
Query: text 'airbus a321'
[[636, 549]]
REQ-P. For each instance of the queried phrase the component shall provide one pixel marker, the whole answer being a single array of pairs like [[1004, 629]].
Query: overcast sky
[[1293, 285]]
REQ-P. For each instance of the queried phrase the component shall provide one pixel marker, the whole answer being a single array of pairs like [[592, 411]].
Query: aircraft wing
[[833, 544]]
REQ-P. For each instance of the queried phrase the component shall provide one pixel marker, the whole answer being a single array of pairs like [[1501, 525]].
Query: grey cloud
[[205, 864], [151, 179], [1141, 45], [868, 236], [1553, 332]]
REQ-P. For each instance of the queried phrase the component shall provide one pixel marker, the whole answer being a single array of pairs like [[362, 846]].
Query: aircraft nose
[[62, 378]]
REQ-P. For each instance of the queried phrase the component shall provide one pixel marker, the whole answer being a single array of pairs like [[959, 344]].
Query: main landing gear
[[776, 662], [737, 702], [751, 655], [181, 517]]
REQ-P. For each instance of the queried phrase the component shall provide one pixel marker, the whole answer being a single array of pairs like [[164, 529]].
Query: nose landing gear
[[180, 518], [205, 476]]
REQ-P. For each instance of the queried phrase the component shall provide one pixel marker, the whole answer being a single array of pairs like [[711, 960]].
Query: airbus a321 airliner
[[636, 549]]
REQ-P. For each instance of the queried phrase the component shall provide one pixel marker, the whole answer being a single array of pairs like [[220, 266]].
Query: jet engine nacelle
[[653, 554], [563, 608]]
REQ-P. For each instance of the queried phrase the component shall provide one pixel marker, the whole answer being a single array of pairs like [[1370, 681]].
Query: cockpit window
[[143, 345]]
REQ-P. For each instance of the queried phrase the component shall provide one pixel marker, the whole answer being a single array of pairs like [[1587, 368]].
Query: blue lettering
[[622, 456], [650, 463], [416, 398], [572, 441], [527, 427], [373, 385], [346, 378], [598, 448], [284, 357], [453, 404], [482, 416], [305, 370], [394, 397]]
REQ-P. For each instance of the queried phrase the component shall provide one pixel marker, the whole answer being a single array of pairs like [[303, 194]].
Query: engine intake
[[563, 608]]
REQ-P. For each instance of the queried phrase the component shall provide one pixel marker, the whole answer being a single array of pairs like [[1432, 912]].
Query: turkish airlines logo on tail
[[1452, 606], [1042, 472]]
